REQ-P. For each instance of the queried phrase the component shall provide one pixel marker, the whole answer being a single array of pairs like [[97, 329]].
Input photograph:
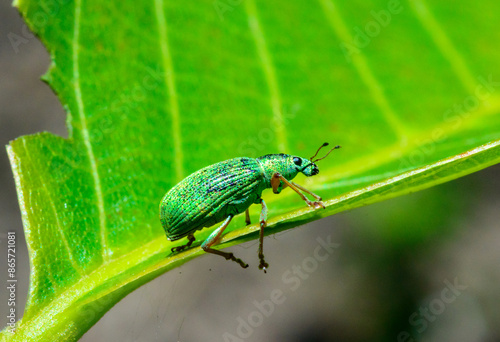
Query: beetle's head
[[304, 165], [308, 166], [289, 166]]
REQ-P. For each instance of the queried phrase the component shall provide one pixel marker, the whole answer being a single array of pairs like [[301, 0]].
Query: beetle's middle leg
[[212, 239], [275, 181], [263, 218], [247, 217]]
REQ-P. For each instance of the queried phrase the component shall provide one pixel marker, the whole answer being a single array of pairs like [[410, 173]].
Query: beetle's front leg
[[276, 183], [278, 178], [307, 191]]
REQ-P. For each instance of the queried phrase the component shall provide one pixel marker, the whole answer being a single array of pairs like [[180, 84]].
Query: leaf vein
[[361, 65], [269, 73], [52, 205], [85, 132], [444, 44], [169, 76], [395, 151]]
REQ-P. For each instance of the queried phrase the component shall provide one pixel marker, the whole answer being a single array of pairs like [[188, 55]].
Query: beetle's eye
[[297, 161]]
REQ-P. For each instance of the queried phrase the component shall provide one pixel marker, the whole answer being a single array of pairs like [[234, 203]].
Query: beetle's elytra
[[220, 191]]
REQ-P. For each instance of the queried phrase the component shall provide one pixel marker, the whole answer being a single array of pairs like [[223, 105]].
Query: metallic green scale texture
[[220, 191], [210, 195]]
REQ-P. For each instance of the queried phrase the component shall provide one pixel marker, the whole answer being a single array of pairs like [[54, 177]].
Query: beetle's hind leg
[[263, 218], [191, 239], [212, 239]]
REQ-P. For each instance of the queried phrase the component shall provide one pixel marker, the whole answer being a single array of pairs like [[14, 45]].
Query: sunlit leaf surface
[[156, 90]]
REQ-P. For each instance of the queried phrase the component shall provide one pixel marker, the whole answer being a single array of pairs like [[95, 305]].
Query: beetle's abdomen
[[209, 195]]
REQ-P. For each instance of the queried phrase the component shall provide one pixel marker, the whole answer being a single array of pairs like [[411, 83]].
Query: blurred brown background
[[424, 267]]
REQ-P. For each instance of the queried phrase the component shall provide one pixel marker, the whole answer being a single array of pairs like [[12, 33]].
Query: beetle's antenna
[[336, 147], [324, 144]]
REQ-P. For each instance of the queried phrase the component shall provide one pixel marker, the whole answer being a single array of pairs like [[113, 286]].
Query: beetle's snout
[[310, 170]]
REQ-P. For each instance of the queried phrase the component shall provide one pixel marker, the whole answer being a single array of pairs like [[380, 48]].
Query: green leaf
[[157, 90]]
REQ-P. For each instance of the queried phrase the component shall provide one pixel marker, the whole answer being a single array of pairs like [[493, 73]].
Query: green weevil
[[220, 191]]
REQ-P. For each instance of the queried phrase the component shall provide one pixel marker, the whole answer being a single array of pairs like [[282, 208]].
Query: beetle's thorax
[[272, 163]]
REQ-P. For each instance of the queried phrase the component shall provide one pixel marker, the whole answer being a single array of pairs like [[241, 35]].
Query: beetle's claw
[[178, 249], [263, 265], [319, 204], [316, 205]]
